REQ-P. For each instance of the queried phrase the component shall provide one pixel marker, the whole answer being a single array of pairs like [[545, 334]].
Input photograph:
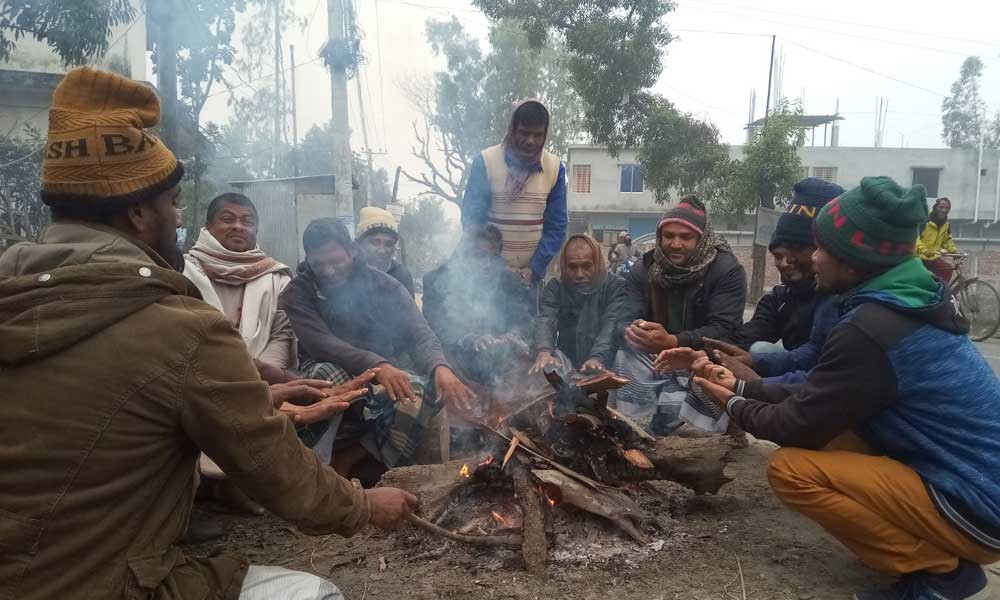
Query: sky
[[853, 51]]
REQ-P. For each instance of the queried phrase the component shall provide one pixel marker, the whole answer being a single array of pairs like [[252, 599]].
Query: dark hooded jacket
[[114, 375], [581, 326], [713, 307], [369, 320], [900, 371], [464, 297]]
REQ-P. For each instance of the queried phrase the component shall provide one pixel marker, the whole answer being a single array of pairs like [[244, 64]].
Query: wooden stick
[[511, 539], [510, 451], [557, 466]]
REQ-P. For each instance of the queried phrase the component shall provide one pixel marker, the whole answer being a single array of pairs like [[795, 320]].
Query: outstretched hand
[[730, 350], [450, 389], [544, 360], [717, 380], [677, 359], [649, 337]]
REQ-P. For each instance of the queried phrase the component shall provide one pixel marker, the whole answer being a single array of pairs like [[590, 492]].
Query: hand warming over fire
[[649, 337], [452, 390], [388, 507], [677, 359], [333, 404], [592, 365], [734, 352], [718, 381], [299, 391], [396, 383], [542, 361]]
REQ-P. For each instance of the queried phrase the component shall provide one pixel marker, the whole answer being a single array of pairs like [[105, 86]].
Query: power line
[[864, 68], [268, 76], [381, 79], [834, 32], [857, 24]]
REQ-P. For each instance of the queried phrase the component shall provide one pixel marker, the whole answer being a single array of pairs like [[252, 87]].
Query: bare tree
[[445, 166]]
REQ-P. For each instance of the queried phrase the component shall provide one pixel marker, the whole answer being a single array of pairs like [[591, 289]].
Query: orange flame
[[489, 459], [465, 471], [551, 501], [499, 518]]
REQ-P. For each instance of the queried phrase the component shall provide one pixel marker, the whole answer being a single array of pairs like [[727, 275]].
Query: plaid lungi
[[669, 395], [390, 432]]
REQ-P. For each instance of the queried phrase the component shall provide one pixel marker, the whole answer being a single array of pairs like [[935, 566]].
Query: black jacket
[[595, 318], [462, 298], [785, 313], [400, 273], [713, 307]]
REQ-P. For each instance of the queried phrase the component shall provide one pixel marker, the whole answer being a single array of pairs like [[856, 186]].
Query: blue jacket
[[899, 370], [791, 366], [476, 206]]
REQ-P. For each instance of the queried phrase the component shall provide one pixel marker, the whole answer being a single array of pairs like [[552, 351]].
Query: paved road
[[991, 350]]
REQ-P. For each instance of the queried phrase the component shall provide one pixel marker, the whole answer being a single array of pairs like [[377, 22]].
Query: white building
[[28, 78], [606, 194]]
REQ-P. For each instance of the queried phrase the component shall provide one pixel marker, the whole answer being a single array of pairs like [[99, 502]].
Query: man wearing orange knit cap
[[116, 375]]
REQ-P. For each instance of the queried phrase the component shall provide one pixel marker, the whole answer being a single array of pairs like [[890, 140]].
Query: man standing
[[478, 308], [914, 488], [521, 189], [350, 318], [242, 282], [123, 375], [688, 287], [623, 250], [580, 310], [936, 239], [378, 236]]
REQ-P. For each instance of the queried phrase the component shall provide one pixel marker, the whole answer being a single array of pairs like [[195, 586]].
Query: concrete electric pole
[[337, 56]]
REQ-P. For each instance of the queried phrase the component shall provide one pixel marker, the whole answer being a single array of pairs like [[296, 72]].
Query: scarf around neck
[[234, 268], [665, 274]]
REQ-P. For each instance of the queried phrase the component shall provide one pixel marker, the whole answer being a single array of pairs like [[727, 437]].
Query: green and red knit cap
[[874, 224]]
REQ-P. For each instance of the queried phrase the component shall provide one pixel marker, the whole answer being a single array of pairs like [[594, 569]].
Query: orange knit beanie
[[98, 149]]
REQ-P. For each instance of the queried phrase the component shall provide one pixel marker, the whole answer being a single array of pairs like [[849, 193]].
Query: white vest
[[519, 218]]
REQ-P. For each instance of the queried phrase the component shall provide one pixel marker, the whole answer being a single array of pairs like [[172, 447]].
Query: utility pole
[[364, 137], [277, 87], [760, 252], [166, 71], [336, 56], [295, 120]]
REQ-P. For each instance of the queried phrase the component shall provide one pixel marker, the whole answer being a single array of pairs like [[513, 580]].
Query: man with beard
[[935, 240], [911, 482], [350, 319], [521, 189], [478, 308], [579, 310], [790, 324], [116, 375], [378, 236], [690, 286]]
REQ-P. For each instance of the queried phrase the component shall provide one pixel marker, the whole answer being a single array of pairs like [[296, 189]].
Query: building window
[[581, 179], [632, 178], [828, 174], [929, 178]]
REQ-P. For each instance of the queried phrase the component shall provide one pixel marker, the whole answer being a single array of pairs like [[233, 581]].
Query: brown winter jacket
[[113, 376]]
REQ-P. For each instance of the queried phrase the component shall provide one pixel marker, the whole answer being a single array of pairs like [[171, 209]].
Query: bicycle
[[977, 300]]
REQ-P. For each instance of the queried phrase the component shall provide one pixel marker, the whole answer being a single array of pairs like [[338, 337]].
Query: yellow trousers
[[876, 506]]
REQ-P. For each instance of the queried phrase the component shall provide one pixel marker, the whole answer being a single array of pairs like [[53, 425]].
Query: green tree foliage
[[681, 154], [963, 113], [614, 48], [770, 165], [76, 30], [466, 107], [22, 214]]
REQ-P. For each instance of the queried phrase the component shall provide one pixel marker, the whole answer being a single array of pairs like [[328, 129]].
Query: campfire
[[563, 449]]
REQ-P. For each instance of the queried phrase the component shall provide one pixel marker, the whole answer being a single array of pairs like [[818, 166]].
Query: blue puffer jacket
[[791, 366]]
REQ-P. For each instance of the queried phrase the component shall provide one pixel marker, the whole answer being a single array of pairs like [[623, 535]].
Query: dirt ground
[[711, 539]]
